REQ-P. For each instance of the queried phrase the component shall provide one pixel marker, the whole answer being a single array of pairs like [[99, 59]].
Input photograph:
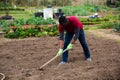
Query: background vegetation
[[25, 24]]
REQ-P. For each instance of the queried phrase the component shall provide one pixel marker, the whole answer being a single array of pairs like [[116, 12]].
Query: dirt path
[[106, 33], [20, 60]]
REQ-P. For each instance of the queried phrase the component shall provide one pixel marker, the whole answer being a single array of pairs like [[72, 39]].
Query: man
[[74, 30]]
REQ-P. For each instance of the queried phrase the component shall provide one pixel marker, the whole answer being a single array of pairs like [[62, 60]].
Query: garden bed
[[21, 58]]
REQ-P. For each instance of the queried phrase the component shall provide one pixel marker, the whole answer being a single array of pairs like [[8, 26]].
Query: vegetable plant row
[[92, 21], [35, 31], [36, 26]]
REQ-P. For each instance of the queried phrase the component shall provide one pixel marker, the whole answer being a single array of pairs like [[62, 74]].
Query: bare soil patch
[[106, 33], [20, 59]]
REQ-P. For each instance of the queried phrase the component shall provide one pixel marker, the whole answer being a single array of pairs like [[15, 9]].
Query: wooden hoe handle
[[51, 60]]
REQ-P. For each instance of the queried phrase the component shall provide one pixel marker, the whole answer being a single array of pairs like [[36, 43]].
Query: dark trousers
[[68, 38]]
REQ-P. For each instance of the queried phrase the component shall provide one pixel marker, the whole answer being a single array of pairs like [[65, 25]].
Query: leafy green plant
[[5, 26], [76, 10], [11, 35], [83, 10], [18, 22], [112, 17], [106, 25], [36, 32], [117, 27], [32, 27], [6, 30], [92, 21], [41, 34], [40, 21]]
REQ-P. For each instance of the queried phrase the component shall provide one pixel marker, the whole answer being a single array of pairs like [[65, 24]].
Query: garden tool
[[3, 76], [51, 60]]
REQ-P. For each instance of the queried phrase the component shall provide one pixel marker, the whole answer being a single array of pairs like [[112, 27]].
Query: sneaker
[[61, 63], [89, 59]]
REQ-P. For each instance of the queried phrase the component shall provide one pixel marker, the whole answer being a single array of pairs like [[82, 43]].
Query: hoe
[[41, 68]]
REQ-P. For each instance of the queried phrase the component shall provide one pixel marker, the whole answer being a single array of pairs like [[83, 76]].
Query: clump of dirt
[[21, 59]]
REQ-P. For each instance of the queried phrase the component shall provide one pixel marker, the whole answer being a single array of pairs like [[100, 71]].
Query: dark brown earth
[[20, 60]]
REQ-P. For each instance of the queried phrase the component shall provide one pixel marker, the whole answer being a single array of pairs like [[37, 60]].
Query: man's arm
[[61, 43], [77, 30], [61, 40]]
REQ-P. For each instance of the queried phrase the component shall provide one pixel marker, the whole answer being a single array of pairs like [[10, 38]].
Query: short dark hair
[[62, 19]]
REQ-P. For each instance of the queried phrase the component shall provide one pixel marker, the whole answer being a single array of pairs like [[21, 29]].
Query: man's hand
[[59, 52], [69, 46]]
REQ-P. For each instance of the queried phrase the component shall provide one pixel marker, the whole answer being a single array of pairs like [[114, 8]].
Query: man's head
[[63, 20]]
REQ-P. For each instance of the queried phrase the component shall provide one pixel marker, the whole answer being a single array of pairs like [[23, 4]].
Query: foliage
[[83, 10], [5, 26], [92, 21], [35, 26], [18, 22], [28, 32], [3, 23], [34, 21], [117, 3], [117, 27], [76, 10], [5, 5], [106, 25], [22, 33], [39, 21], [112, 17], [6, 30], [30, 21]]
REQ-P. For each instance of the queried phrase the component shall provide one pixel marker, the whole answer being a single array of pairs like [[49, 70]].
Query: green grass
[[29, 12], [18, 14], [93, 27], [25, 16]]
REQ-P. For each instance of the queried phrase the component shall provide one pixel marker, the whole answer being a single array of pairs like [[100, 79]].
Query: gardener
[[74, 30]]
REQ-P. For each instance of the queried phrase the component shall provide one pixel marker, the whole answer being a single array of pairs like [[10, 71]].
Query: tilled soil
[[21, 59]]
